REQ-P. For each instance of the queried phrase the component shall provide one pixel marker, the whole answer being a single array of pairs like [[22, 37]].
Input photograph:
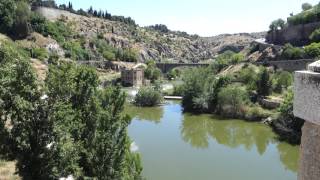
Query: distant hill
[[154, 42]]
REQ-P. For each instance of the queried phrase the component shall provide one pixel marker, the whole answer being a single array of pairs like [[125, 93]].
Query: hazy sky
[[203, 17]]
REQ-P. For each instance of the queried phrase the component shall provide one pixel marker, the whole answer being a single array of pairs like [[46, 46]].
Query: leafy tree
[[22, 20], [59, 130], [23, 108], [277, 24], [7, 15], [263, 83], [232, 101], [152, 72], [306, 6], [148, 97]]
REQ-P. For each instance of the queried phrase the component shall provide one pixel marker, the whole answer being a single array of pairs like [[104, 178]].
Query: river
[[178, 146]]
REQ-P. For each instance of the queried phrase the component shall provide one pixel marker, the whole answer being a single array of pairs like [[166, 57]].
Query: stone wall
[[296, 35], [288, 65]]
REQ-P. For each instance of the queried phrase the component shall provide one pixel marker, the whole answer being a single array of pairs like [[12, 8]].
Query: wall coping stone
[[307, 94]]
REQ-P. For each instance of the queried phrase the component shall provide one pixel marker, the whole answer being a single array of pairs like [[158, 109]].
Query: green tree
[[263, 83], [23, 108], [7, 15], [277, 24], [22, 20], [306, 6], [152, 72], [148, 97], [232, 101]]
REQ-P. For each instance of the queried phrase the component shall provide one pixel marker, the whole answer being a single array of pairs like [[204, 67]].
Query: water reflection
[[153, 114], [289, 156], [197, 130], [205, 134]]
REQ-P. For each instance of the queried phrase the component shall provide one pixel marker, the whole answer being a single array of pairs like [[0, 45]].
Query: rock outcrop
[[153, 44]]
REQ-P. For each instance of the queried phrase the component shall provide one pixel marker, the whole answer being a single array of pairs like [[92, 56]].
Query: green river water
[[178, 146]]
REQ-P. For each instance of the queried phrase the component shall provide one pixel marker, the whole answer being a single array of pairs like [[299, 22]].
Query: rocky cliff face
[[152, 44]]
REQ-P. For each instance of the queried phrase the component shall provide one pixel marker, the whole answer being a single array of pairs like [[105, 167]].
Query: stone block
[[307, 96]]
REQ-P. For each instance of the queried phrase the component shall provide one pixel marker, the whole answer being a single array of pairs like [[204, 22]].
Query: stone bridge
[[166, 67]]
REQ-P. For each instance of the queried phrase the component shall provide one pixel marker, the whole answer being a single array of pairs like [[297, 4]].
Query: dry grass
[[7, 170], [40, 68]]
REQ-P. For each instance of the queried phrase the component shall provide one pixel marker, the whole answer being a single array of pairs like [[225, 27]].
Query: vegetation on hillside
[[309, 14]]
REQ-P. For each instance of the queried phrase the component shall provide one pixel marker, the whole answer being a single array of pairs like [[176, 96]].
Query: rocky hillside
[[149, 43]]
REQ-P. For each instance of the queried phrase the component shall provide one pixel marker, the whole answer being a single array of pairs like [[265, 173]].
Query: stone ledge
[[315, 67], [307, 95]]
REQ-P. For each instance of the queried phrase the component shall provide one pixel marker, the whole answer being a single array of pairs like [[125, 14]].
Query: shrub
[[313, 50], [75, 51], [248, 76], [256, 113], [39, 53], [129, 55], [315, 36], [287, 126], [290, 53], [232, 101], [177, 90], [174, 73], [109, 55], [148, 97], [281, 80]]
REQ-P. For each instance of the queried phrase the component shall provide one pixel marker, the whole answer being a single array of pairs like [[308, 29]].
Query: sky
[[202, 17]]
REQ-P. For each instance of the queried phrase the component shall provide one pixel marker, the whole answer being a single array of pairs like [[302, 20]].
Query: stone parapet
[[307, 107]]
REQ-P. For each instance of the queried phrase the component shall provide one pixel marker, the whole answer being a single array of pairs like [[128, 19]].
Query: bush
[[313, 50], [248, 76], [177, 90], [281, 80], [232, 101], [174, 73], [148, 97], [39, 53], [287, 126], [75, 51], [291, 53], [315, 36], [256, 113]]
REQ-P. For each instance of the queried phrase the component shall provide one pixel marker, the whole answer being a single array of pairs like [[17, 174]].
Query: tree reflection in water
[[198, 129], [152, 114]]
